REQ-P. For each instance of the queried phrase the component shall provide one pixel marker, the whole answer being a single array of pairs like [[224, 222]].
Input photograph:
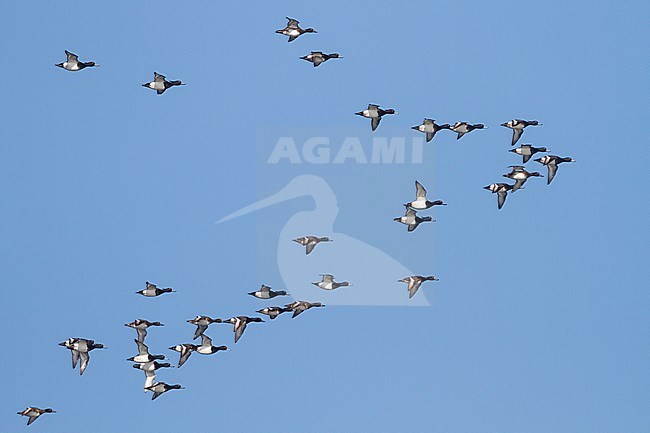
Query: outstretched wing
[[240, 326], [150, 378], [292, 24], [75, 358], [374, 122], [157, 78], [200, 329], [184, 356], [502, 198], [414, 285], [518, 184], [516, 133], [552, 169], [32, 419], [310, 248], [142, 348], [71, 57], [85, 358], [142, 334], [419, 190], [206, 341]]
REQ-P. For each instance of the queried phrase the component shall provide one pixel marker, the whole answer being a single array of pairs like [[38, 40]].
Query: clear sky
[[540, 319]]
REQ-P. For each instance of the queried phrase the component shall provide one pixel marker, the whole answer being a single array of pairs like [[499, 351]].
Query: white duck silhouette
[[373, 273]]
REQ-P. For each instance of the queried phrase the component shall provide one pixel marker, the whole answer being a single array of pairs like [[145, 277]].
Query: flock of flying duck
[[80, 348]]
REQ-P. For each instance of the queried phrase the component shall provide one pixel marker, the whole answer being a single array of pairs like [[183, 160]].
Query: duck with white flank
[[73, 63], [299, 306], [311, 241], [318, 57], [551, 162], [411, 219], [415, 281], [517, 126], [240, 323], [202, 323], [151, 290], [160, 83], [520, 175], [265, 292], [526, 150], [293, 30], [141, 325], [185, 350], [79, 347], [501, 189], [206, 347], [421, 202], [463, 128], [328, 283], [151, 365], [34, 412], [143, 354], [374, 113], [430, 127], [273, 312], [160, 388]]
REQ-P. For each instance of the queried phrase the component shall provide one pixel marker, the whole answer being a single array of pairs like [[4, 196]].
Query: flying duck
[[501, 189], [160, 388], [415, 281], [310, 242], [293, 30], [202, 323], [411, 219], [299, 306], [143, 354], [206, 347], [265, 292], [520, 175], [141, 325], [551, 162], [430, 128], [328, 283], [240, 323], [374, 113], [160, 83], [152, 290], [151, 365], [318, 57], [273, 312], [463, 128], [185, 350], [34, 412], [73, 63], [526, 150], [421, 202], [517, 126], [79, 347]]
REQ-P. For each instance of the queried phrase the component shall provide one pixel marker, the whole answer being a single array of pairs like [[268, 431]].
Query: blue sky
[[539, 321]]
